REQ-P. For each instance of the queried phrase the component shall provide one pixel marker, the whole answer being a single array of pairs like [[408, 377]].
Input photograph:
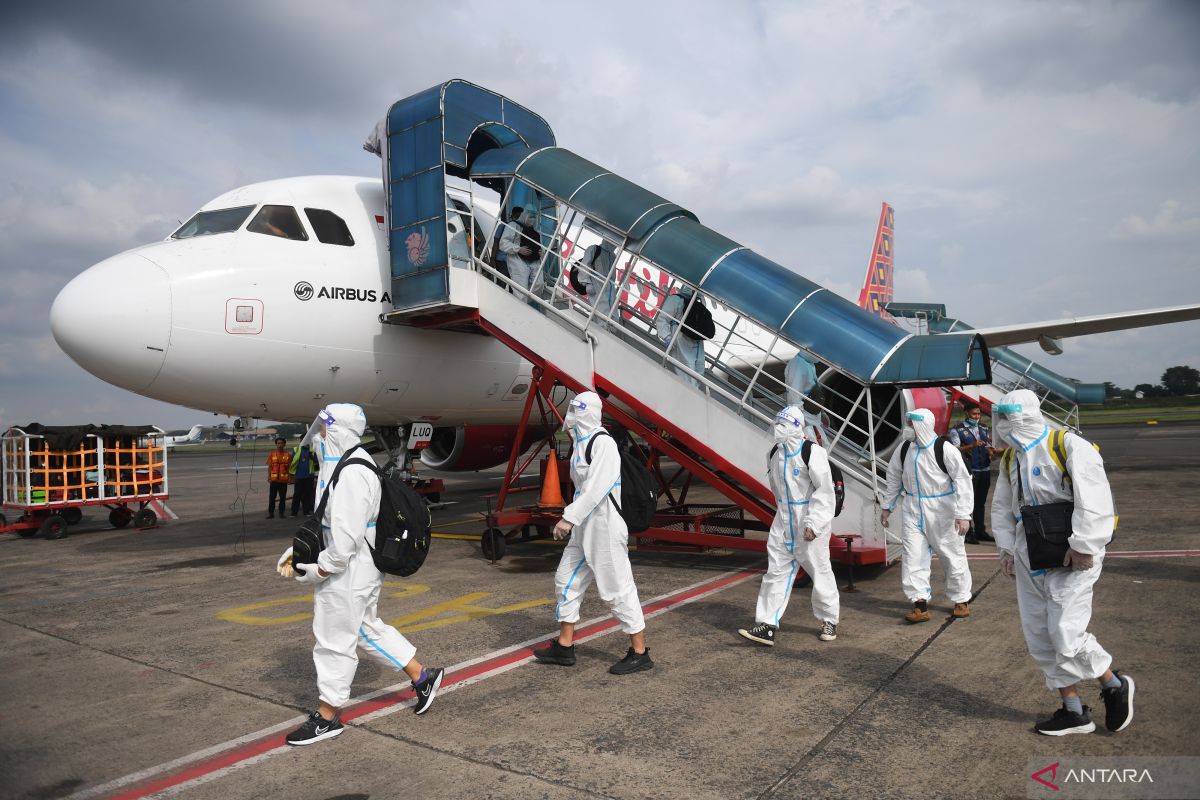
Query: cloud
[[1170, 223], [1039, 156]]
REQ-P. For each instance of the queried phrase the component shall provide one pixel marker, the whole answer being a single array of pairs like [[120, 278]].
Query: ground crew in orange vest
[[279, 463]]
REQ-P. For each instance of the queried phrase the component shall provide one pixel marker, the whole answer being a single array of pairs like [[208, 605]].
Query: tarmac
[[170, 661]]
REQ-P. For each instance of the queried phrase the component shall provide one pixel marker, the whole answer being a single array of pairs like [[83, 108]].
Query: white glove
[[311, 574], [284, 565], [1077, 561], [962, 525], [562, 529], [1008, 564]]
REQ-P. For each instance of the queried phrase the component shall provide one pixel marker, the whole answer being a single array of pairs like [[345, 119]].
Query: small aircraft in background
[[191, 437]]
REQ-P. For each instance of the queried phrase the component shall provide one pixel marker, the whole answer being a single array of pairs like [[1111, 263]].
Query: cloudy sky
[[1042, 157]]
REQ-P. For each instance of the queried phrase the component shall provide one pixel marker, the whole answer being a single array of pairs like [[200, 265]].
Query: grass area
[[1093, 415], [1117, 411]]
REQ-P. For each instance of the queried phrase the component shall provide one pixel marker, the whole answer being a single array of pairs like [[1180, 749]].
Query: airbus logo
[[305, 291]]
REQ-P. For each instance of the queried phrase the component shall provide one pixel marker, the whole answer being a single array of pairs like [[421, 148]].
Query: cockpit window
[[279, 221], [208, 222], [329, 227]]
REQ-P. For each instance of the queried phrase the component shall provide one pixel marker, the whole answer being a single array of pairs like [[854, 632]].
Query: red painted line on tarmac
[[239, 755]]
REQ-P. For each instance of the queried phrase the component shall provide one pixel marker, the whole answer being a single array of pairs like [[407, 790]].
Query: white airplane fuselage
[[225, 322]]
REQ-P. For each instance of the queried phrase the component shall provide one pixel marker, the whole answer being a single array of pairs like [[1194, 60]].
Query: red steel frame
[[747, 494]]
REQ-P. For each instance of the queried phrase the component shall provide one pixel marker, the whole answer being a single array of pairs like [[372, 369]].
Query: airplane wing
[[1046, 333]]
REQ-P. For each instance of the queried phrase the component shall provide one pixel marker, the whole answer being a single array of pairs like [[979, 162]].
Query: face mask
[[909, 433], [974, 423]]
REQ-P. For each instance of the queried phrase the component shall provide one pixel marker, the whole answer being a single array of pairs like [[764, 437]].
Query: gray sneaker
[[828, 632]]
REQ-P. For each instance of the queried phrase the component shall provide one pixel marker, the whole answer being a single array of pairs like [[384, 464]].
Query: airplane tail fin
[[877, 288]]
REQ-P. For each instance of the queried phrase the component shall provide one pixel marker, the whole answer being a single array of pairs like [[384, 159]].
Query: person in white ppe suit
[[598, 548], [523, 265], [1056, 603], [596, 279], [800, 380], [799, 536], [347, 582], [937, 515], [686, 347]]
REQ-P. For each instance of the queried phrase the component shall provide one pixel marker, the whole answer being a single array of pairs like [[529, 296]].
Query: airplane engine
[[888, 403], [466, 448]]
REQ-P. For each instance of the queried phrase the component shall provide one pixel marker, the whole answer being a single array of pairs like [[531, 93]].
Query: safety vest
[[277, 466], [979, 460]]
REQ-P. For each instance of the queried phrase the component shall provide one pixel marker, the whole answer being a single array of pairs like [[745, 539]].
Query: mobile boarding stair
[[456, 148], [1060, 396]]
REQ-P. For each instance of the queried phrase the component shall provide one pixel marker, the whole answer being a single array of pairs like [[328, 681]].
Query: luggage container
[[50, 474]]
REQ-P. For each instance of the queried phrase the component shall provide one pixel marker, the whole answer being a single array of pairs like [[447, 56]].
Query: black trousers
[[278, 488], [982, 481], [304, 493]]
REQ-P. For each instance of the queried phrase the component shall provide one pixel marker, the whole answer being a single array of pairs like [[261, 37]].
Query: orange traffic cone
[[551, 488]]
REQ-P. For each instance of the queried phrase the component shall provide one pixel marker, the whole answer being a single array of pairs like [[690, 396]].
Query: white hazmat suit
[[599, 545], [804, 498], [345, 614], [800, 379], [933, 500], [522, 269], [1055, 604], [688, 350], [600, 286]]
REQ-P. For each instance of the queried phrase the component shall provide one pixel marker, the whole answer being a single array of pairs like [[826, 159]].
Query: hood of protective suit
[[346, 432], [922, 424], [1021, 427], [526, 218], [583, 415], [788, 429]]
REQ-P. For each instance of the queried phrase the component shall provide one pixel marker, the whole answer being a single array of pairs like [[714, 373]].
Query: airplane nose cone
[[114, 320]]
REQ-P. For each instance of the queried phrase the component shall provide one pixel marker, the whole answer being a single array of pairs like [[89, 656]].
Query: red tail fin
[[877, 288]]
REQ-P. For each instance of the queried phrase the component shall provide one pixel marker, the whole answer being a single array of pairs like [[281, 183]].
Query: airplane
[[189, 438], [268, 303]]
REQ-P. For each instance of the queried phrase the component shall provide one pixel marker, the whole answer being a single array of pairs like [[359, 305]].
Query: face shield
[[788, 428], [920, 422], [583, 415], [1018, 418]]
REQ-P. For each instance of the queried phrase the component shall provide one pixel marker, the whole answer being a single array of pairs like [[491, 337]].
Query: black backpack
[[839, 481], [938, 453], [639, 501], [698, 324], [402, 528], [533, 240]]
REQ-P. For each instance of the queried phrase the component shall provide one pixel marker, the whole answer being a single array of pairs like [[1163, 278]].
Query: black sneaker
[[556, 653], [761, 633], [1118, 704], [314, 729], [971, 538], [1066, 722], [427, 690], [632, 662], [828, 632]]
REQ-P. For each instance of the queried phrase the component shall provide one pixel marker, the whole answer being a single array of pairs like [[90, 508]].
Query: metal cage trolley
[[49, 477]]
